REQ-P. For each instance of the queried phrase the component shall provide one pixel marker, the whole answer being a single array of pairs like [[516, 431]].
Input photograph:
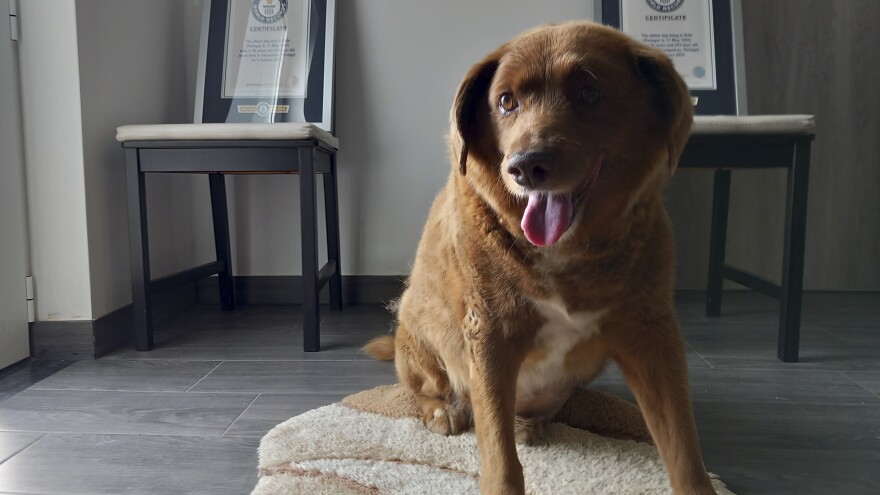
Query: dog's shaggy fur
[[549, 253]]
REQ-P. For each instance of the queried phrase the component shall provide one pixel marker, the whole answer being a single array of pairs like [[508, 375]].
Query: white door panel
[[13, 245]]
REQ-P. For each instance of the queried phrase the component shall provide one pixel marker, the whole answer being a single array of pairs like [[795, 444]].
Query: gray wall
[[802, 56]]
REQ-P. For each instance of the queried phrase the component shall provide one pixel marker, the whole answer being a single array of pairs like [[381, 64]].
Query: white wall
[[398, 65], [133, 61], [132, 71], [105, 64], [130, 61], [54, 159]]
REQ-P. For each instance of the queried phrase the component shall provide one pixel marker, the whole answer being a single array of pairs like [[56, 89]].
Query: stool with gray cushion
[[218, 149], [726, 143]]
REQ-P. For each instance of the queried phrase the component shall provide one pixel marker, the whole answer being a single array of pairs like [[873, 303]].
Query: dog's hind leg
[[529, 430], [419, 370], [444, 417]]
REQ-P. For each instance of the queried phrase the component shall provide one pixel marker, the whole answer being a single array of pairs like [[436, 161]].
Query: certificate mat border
[[712, 61], [725, 100], [203, 102], [224, 73]]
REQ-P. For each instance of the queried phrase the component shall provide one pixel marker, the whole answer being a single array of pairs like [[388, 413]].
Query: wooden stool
[[217, 149], [726, 143]]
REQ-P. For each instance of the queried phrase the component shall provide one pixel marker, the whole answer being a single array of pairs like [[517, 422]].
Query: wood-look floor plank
[[766, 427], [12, 442], [154, 413], [129, 375], [740, 424], [90, 464], [269, 410], [263, 333], [776, 385], [869, 380], [25, 374], [288, 377], [731, 344], [865, 335], [749, 471]]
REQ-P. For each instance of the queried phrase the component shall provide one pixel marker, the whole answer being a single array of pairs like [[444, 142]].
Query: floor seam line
[[240, 415], [19, 451], [854, 382], [202, 378]]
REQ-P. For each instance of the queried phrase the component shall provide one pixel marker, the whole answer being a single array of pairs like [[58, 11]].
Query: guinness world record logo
[[267, 11], [661, 5]]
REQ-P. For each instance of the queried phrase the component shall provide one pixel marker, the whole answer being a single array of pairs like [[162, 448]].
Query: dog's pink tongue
[[546, 218]]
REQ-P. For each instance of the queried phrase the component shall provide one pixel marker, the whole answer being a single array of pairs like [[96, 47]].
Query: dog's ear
[[471, 111], [672, 97]]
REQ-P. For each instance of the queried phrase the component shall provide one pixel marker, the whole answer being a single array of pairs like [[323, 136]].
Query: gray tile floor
[[187, 417]]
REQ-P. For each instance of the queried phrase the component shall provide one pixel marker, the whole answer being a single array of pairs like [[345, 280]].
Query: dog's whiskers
[[510, 248]]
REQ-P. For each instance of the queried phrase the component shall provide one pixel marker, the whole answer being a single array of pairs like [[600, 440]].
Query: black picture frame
[[316, 107], [725, 100]]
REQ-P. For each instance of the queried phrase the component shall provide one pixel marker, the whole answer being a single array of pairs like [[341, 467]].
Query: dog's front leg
[[655, 368], [494, 364]]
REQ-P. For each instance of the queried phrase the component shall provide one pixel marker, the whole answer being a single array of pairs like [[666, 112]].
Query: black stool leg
[[331, 208], [309, 227], [221, 240], [139, 252], [793, 254], [718, 241]]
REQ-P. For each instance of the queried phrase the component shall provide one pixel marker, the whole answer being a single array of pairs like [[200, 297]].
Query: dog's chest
[[544, 370]]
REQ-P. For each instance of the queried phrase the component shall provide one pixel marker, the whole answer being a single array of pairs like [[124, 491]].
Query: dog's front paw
[[446, 419]]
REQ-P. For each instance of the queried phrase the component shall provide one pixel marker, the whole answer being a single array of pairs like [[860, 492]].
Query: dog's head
[[574, 120]]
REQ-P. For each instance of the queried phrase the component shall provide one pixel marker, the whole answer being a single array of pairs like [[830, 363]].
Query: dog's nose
[[529, 168]]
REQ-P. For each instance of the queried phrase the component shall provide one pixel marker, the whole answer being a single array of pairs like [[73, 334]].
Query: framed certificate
[[701, 38], [267, 61]]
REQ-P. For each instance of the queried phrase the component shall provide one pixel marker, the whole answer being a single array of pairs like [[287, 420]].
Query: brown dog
[[549, 251]]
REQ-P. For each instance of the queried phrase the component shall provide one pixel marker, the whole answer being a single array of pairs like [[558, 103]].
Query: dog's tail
[[381, 348]]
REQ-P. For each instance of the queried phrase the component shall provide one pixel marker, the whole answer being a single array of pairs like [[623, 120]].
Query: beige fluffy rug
[[374, 443]]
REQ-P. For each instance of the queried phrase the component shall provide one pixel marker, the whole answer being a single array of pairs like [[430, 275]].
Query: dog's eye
[[507, 103], [590, 95]]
